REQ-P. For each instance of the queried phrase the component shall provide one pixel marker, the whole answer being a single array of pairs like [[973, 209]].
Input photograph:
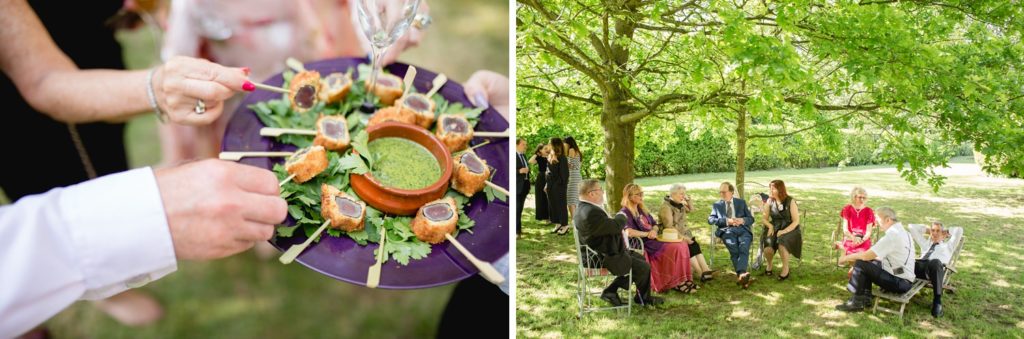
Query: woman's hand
[[486, 88], [180, 83]]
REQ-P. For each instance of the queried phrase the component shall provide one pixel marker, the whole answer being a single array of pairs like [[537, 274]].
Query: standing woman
[[540, 198], [558, 181], [575, 158], [782, 224]]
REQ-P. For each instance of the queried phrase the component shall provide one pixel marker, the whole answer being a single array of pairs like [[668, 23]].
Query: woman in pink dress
[[670, 261], [858, 222]]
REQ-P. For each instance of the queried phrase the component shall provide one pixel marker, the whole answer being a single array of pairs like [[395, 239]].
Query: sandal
[[563, 230], [769, 273], [687, 287], [707, 276]]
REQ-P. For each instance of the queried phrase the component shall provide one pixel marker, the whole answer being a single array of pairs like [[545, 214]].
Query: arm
[[603, 225], [954, 235], [87, 241], [533, 160], [865, 256], [689, 204], [917, 232], [848, 235], [103, 236], [766, 219], [871, 227], [794, 210], [563, 171], [665, 216], [748, 219], [715, 218], [51, 83]]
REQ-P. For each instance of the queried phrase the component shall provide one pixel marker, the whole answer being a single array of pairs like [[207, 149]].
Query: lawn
[[247, 297], [987, 303]]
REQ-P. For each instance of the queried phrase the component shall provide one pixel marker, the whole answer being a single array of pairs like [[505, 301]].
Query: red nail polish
[[246, 70], [248, 86]]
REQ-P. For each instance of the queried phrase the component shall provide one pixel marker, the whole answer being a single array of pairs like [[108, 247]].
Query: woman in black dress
[[782, 232], [558, 186], [540, 199]]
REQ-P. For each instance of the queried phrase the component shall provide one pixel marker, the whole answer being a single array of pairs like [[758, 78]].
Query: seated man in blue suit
[[733, 220]]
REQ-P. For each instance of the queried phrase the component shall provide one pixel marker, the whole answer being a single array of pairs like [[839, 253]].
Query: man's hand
[[524, 170], [216, 208]]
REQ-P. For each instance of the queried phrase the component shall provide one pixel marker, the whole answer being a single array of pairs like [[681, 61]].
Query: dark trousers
[[474, 301], [738, 243], [520, 200], [932, 270], [866, 273], [641, 277]]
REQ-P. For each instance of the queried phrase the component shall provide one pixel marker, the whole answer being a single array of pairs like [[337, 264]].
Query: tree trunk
[[619, 140], [741, 151]]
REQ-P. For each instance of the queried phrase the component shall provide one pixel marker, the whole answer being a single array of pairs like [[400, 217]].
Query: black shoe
[[937, 310], [784, 277], [769, 273], [611, 298], [650, 301], [855, 304]]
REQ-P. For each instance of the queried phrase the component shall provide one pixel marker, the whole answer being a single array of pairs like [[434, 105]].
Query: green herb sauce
[[403, 164]]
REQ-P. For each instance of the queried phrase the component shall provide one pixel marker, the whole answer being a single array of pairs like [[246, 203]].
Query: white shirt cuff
[[119, 228]]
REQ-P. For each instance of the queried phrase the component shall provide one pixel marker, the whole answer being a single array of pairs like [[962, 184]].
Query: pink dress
[[670, 261], [857, 223]]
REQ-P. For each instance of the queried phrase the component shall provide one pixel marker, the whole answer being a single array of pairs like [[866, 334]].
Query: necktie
[[930, 250], [728, 210]]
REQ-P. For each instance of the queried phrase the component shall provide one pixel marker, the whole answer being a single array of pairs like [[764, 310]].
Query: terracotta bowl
[[400, 201]]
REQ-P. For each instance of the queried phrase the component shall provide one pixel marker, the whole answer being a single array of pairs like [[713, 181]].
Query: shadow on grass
[[989, 286]]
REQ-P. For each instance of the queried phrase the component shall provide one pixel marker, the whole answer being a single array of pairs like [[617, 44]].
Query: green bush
[[708, 152]]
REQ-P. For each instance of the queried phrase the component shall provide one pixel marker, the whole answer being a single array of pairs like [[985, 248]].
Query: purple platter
[[342, 258]]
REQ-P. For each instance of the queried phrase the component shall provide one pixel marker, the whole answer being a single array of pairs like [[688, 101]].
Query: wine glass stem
[[378, 65]]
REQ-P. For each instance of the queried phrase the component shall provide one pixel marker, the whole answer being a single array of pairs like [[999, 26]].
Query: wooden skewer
[[276, 132], [496, 187], [295, 64], [410, 75], [486, 270], [439, 81], [266, 87], [491, 134], [294, 251], [373, 275], [472, 147], [236, 156], [286, 180]]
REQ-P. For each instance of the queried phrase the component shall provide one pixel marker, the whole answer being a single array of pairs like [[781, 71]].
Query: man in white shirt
[[121, 231], [936, 250], [889, 264]]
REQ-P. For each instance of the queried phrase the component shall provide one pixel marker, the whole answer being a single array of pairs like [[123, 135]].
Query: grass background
[[990, 283], [246, 297]]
